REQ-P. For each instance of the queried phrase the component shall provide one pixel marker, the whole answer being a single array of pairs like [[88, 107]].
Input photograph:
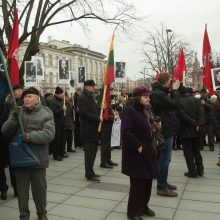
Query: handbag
[[21, 156], [158, 142]]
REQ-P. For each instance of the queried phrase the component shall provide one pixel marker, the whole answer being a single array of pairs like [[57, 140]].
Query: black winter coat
[[89, 117], [216, 118], [165, 106], [191, 114], [56, 106], [136, 132]]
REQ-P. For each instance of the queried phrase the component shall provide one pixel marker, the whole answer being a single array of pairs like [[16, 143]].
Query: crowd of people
[[153, 122]]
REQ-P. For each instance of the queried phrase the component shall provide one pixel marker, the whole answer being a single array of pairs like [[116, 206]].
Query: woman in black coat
[[138, 157]]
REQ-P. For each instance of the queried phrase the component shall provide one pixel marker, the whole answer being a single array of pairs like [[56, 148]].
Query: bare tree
[[162, 48], [37, 15]]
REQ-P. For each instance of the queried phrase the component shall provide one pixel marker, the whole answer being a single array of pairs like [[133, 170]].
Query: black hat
[[203, 90], [30, 90], [17, 87], [217, 89], [89, 82], [58, 90], [47, 94]]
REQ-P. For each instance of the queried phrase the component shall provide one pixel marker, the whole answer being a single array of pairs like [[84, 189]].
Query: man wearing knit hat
[[58, 109], [38, 132]]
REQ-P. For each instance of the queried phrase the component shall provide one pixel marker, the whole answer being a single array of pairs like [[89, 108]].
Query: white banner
[[216, 78], [116, 133]]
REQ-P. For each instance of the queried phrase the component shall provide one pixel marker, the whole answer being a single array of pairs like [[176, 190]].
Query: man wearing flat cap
[[90, 119], [38, 132]]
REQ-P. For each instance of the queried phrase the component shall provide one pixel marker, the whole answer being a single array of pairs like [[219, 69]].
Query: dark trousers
[[58, 142], [209, 131], [105, 148], [77, 139], [191, 150], [3, 183], [139, 196], [69, 138], [37, 179], [90, 150]]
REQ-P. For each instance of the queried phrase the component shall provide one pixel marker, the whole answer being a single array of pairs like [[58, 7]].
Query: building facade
[[77, 55], [197, 75]]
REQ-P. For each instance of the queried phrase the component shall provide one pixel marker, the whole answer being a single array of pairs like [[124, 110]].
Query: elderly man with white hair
[[39, 131]]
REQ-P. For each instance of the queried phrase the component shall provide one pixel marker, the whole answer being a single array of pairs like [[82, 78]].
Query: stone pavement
[[70, 196]]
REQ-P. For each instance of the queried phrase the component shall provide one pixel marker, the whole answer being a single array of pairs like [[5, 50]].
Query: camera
[[157, 119]]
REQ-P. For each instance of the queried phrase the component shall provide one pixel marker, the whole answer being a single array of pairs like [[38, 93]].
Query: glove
[[25, 137], [15, 111]]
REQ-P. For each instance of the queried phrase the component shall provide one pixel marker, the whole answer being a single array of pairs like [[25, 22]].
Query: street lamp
[[168, 50]]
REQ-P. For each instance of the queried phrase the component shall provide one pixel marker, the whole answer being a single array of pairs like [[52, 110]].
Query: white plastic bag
[[116, 133]]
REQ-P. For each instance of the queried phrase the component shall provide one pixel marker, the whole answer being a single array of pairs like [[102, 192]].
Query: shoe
[[166, 192], [4, 195], [211, 148], [58, 158], [200, 173], [135, 217], [106, 166], [112, 164], [218, 163], [118, 147], [65, 156], [149, 212], [97, 175], [171, 187], [42, 217], [93, 179], [71, 151], [191, 175]]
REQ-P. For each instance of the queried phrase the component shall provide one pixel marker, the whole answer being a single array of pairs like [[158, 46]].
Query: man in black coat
[[57, 107], [191, 115], [165, 101], [208, 126], [90, 119]]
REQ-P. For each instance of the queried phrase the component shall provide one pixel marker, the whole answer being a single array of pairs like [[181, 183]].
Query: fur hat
[[89, 82], [141, 91], [30, 90], [58, 90]]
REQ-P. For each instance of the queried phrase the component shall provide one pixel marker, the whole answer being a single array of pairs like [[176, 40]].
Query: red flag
[[180, 70], [207, 65], [13, 52]]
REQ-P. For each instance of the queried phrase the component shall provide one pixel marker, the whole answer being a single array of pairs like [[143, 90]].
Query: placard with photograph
[[30, 73], [64, 71], [120, 72], [82, 74], [216, 78], [40, 67]]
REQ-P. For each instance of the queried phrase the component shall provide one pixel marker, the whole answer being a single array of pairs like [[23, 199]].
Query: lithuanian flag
[[109, 77]]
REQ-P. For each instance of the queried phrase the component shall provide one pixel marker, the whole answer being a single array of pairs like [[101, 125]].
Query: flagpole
[[102, 107], [10, 88]]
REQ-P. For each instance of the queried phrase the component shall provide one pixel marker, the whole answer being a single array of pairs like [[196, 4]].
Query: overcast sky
[[186, 18]]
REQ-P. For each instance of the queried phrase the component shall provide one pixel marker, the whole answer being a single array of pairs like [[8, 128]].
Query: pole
[[102, 108], [11, 90]]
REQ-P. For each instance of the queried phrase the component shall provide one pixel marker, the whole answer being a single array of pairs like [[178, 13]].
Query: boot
[[166, 192], [42, 217], [218, 163]]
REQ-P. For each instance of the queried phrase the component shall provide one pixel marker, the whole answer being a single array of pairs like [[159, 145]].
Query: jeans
[[164, 162]]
